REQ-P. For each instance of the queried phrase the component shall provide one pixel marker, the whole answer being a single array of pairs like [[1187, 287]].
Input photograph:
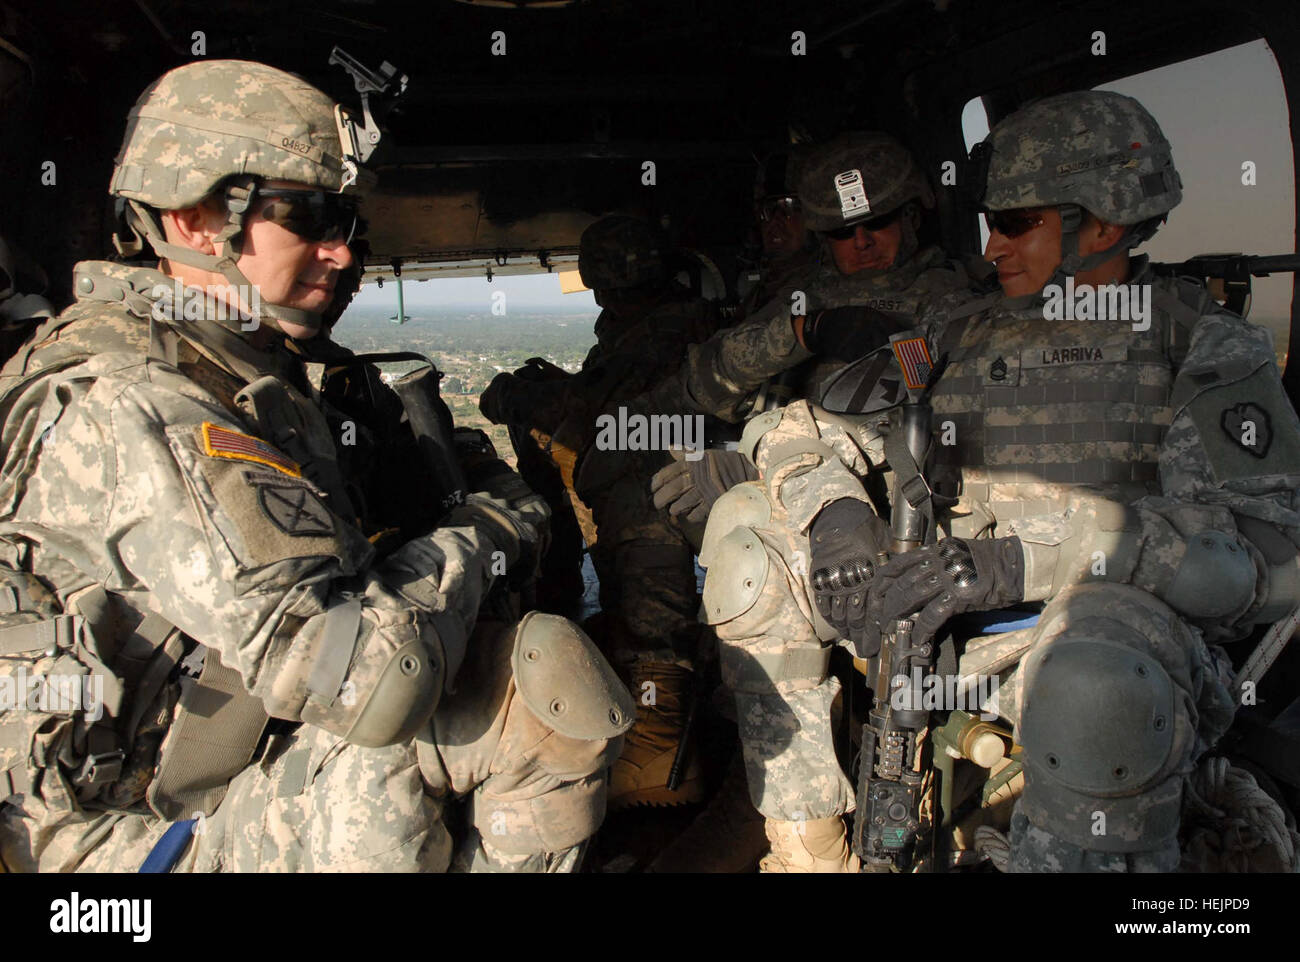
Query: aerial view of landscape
[[453, 323]]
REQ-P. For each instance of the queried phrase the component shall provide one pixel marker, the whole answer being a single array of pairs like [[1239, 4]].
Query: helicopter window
[[974, 128], [1226, 116]]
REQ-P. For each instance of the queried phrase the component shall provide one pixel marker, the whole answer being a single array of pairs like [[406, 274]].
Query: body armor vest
[[1032, 408]]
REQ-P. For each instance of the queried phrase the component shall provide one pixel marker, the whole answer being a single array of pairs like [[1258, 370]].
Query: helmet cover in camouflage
[[620, 251], [1099, 150], [889, 178], [208, 120]]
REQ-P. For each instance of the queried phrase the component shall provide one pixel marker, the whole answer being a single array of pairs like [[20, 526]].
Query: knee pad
[[566, 682], [545, 787], [736, 577], [744, 505], [764, 635], [1106, 734]]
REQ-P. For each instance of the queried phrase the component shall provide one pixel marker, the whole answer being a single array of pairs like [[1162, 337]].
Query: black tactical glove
[[848, 333], [690, 487], [496, 402], [847, 540], [540, 369], [952, 577]]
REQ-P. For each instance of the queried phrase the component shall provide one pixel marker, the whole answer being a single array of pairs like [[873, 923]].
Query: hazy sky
[[1218, 111]]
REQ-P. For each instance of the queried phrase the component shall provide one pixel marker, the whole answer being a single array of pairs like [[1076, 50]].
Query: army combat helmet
[[618, 252], [862, 177], [857, 177], [1088, 150], [228, 124]]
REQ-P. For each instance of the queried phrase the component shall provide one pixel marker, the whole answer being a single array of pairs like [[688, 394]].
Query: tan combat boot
[[640, 775], [818, 845], [727, 837]]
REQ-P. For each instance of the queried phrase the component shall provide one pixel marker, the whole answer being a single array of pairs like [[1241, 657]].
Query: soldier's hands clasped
[[691, 487], [848, 541], [952, 577]]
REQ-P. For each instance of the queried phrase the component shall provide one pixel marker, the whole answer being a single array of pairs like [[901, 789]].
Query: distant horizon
[[536, 293]]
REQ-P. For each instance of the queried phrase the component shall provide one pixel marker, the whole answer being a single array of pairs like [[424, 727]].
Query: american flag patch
[[221, 443], [914, 358]]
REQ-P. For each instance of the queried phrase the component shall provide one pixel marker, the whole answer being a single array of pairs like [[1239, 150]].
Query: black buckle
[[101, 769], [916, 491]]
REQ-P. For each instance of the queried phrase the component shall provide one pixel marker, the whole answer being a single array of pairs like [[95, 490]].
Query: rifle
[[430, 419], [432, 424], [1235, 270], [891, 767]]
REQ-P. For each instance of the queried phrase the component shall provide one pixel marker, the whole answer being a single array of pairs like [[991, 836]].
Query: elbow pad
[[1216, 578], [374, 685]]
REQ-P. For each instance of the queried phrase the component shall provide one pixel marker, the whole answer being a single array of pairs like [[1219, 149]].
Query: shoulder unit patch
[[1249, 426], [292, 506], [219, 442]]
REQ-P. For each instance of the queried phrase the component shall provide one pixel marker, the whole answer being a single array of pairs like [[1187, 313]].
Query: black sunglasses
[[315, 215], [871, 224], [1013, 223]]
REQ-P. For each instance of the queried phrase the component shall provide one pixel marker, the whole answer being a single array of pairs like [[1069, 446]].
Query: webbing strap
[[338, 642], [163, 343], [796, 446], [1185, 318], [907, 475], [164, 640], [214, 736], [16, 781], [46, 635], [760, 672]]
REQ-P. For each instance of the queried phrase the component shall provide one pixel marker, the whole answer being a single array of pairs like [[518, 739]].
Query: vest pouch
[[59, 702]]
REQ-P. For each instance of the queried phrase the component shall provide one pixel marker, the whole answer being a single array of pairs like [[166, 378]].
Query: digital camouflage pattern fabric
[[205, 121], [1100, 150], [1143, 499], [256, 559]]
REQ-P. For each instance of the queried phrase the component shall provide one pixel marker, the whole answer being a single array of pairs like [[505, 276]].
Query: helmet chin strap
[[240, 194], [1072, 262]]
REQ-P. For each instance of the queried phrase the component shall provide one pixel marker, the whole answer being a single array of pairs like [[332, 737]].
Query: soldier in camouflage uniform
[[645, 564], [174, 505], [789, 249], [1137, 476], [874, 277], [864, 194]]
